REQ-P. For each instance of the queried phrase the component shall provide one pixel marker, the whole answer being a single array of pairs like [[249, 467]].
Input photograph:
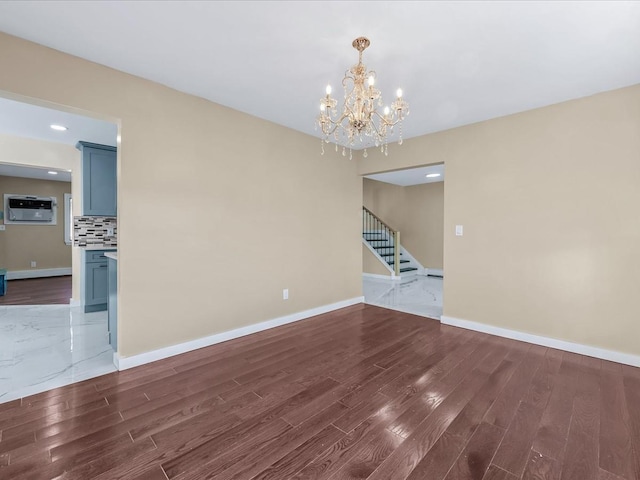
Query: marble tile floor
[[45, 347], [416, 294]]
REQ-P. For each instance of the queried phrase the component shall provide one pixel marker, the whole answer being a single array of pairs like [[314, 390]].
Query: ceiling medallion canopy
[[359, 120]]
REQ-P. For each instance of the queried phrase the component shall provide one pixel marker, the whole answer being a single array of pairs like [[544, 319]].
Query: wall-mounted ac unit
[[26, 208]]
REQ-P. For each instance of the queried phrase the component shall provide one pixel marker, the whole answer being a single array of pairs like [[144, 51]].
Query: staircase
[[382, 239]]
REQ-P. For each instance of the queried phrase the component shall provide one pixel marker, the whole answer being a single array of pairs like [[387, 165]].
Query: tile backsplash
[[95, 231]]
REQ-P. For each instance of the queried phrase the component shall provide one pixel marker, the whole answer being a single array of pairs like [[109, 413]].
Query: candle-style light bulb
[[371, 80], [386, 111], [399, 93], [328, 90], [322, 107]]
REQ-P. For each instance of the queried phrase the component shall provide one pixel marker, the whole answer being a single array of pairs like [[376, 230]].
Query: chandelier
[[359, 119]]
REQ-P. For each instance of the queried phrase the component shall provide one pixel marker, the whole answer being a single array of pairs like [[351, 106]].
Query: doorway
[[410, 201], [46, 339], [36, 248]]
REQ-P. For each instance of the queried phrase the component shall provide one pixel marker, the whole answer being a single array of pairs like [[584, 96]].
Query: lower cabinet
[[96, 284]]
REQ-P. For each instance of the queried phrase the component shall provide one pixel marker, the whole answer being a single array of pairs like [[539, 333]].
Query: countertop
[[100, 247], [113, 255]]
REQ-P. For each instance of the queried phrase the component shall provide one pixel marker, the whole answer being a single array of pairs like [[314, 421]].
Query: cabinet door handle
[[103, 266]]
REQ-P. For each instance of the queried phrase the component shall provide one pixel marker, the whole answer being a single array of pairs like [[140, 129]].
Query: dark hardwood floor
[[38, 291], [362, 392]]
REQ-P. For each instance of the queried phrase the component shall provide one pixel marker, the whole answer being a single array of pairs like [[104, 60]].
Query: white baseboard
[[380, 277], [35, 273], [124, 363], [590, 351], [74, 303]]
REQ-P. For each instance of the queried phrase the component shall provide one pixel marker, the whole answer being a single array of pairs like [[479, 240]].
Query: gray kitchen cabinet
[[99, 181], [96, 285]]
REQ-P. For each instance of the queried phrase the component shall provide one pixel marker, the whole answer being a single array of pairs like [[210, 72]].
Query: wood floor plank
[[269, 422], [496, 473], [153, 473], [476, 457], [513, 453], [38, 291], [365, 460], [616, 450], [438, 460], [405, 458], [362, 392], [631, 381], [581, 457], [604, 475], [295, 461], [246, 463], [541, 467], [507, 403], [332, 458], [104, 463]]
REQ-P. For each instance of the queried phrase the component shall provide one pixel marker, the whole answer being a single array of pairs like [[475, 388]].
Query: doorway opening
[[46, 338], [411, 202]]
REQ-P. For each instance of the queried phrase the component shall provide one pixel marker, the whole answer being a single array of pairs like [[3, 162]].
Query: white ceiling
[[26, 120], [31, 121], [410, 176], [457, 62], [7, 170]]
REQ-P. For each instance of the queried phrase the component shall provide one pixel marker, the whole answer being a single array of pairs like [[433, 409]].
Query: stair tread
[[386, 254], [407, 269], [401, 261]]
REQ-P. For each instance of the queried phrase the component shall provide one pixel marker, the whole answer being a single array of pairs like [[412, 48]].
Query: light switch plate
[[459, 230], [2, 228]]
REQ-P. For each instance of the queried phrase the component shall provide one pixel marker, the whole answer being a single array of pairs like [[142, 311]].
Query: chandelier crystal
[[359, 120]]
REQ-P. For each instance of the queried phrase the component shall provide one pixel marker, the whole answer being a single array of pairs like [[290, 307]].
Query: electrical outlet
[[33, 264], [2, 228], [285, 294]]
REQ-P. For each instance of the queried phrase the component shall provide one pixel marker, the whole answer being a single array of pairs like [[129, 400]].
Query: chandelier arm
[[375, 128], [394, 119], [335, 124]]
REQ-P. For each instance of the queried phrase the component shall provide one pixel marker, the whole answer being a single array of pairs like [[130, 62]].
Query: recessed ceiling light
[[59, 128], [51, 172], [432, 175]]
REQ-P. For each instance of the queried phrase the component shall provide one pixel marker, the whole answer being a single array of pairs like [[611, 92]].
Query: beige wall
[[423, 228], [385, 200], [417, 211], [261, 191], [38, 153], [549, 202], [44, 244], [371, 264]]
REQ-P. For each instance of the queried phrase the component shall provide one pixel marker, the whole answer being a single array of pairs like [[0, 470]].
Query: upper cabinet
[[99, 182]]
